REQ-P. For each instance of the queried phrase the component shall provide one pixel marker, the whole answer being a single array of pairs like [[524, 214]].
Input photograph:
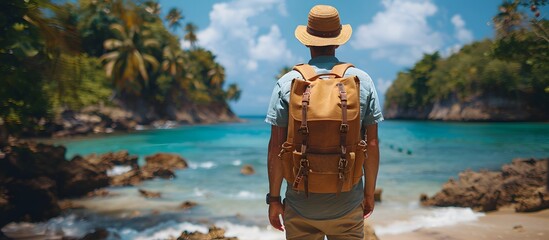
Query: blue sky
[[254, 39]]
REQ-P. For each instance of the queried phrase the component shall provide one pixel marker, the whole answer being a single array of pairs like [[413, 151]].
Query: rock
[[77, 178], [164, 173], [97, 234], [187, 205], [213, 233], [99, 193], [30, 200], [149, 194], [533, 204], [66, 204], [247, 170], [165, 161], [130, 178], [518, 183], [423, 198], [108, 160], [369, 233], [377, 194]]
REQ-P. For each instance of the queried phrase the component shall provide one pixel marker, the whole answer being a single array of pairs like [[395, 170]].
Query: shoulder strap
[[341, 68], [306, 70]]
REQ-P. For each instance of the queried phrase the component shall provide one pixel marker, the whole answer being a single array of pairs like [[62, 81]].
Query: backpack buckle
[[303, 130], [344, 128]]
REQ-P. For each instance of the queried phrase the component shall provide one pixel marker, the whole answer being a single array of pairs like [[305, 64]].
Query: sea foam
[[437, 218]]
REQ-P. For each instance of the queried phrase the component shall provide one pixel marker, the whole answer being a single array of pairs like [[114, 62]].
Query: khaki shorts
[[348, 227]]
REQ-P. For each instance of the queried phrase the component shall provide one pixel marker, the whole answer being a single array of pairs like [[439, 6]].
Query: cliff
[[106, 119], [481, 108]]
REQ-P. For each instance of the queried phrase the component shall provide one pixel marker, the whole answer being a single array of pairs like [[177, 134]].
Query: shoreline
[[150, 127], [501, 224]]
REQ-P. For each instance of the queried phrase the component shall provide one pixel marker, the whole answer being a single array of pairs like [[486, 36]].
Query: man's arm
[[371, 167], [278, 136]]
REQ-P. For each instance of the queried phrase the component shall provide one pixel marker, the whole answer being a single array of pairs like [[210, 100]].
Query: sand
[[502, 224]]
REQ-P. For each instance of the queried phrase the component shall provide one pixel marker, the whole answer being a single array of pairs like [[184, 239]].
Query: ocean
[[416, 157]]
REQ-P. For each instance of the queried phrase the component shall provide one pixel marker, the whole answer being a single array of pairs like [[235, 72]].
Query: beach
[[502, 224], [417, 157]]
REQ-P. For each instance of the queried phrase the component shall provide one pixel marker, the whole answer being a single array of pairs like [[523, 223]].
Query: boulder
[[77, 178], [97, 234], [377, 194], [165, 161], [519, 183], [130, 178], [30, 200], [187, 205], [149, 194], [247, 170], [213, 233]]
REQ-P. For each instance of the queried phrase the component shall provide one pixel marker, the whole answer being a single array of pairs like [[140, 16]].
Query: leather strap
[[306, 70], [341, 68], [303, 172], [343, 129]]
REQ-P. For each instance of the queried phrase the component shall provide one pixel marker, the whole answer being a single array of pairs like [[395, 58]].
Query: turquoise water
[[416, 157]]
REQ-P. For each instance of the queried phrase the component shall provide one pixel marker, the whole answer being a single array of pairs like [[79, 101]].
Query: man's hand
[[276, 209], [368, 206]]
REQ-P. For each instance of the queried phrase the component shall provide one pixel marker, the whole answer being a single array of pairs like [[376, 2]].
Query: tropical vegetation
[[59, 55], [513, 66]]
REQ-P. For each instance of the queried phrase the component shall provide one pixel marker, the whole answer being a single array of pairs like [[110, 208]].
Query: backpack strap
[[306, 70], [341, 68]]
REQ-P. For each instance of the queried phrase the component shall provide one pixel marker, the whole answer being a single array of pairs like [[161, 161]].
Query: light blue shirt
[[320, 206]]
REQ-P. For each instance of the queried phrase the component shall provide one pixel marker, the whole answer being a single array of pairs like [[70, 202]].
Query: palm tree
[[174, 17], [152, 7], [233, 92], [173, 61], [125, 62], [508, 19], [216, 76], [190, 36]]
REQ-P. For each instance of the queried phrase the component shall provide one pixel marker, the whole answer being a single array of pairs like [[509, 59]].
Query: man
[[316, 215]]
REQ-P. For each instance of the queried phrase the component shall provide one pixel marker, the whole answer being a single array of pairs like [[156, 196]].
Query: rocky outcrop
[[34, 176], [135, 115], [213, 233], [479, 108], [247, 170], [520, 184], [93, 119]]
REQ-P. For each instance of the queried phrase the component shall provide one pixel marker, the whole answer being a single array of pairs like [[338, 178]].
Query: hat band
[[324, 34]]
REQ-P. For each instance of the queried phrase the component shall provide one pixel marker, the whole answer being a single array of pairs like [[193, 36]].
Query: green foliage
[[82, 83], [49, 59], [478, 69]]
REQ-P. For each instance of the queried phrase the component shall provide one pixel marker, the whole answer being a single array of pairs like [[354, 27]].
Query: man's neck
[[327, 52]]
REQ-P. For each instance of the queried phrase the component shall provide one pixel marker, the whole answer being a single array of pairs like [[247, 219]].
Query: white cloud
[[400, 32], [235, 39], [462, 34], [382, 85]]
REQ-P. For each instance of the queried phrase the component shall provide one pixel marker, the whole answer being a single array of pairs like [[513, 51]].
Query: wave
[[437, 218], [204, 165], [118, 170], [237, 162], [247, 195]]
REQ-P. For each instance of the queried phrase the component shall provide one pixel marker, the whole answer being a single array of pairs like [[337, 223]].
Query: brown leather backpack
[[324, 152]]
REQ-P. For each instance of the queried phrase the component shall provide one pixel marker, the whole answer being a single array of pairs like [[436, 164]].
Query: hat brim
[[309, 40]]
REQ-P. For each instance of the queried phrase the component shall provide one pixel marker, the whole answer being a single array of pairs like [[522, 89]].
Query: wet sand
[[502, 224]]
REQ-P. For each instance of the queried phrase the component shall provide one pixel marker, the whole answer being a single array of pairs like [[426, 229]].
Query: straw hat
[[323, 28]]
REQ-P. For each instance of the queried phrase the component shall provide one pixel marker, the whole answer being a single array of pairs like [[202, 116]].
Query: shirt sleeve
[[277, 113], [372, 113], [371, 110]]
